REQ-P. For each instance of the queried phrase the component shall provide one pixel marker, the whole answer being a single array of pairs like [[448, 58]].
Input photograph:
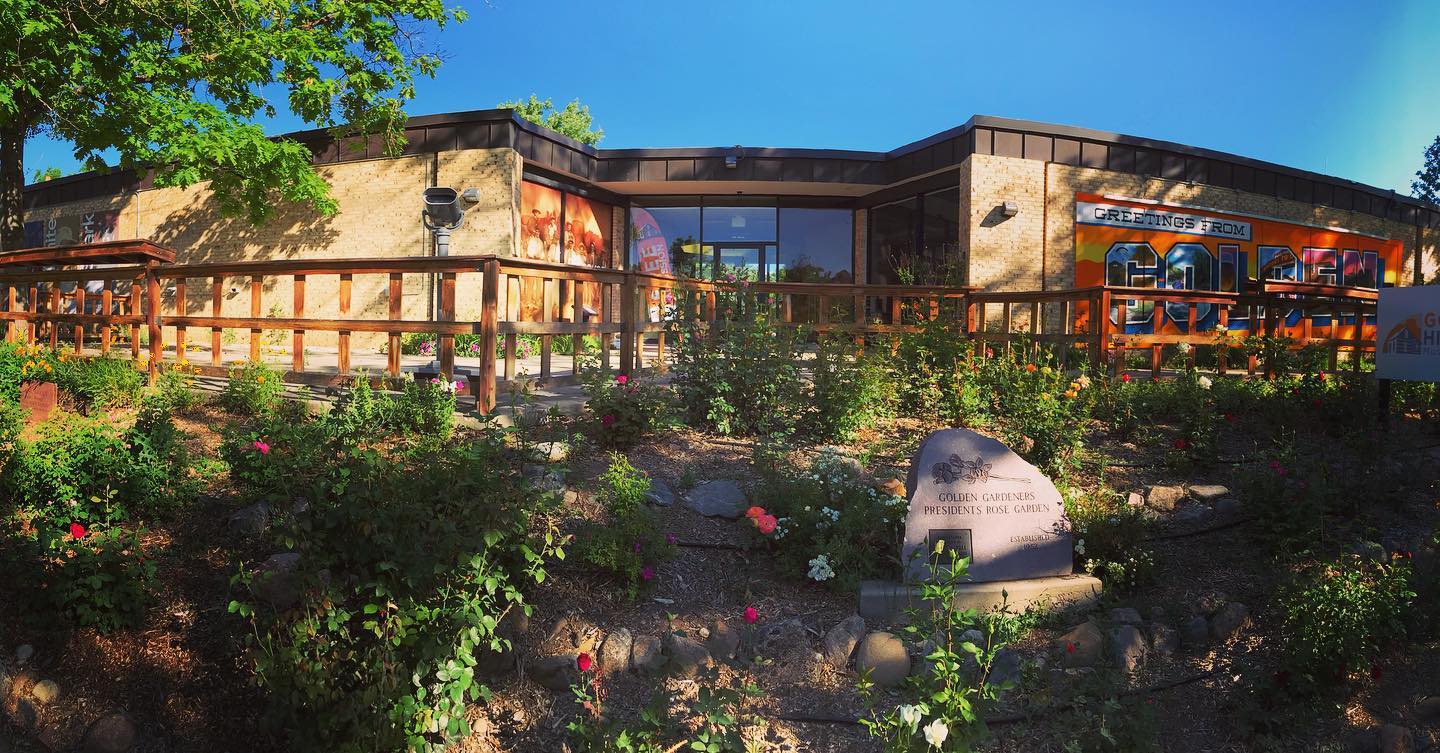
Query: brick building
[[1002, 204]]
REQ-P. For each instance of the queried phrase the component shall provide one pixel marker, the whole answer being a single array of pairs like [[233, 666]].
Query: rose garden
[[760, 544]]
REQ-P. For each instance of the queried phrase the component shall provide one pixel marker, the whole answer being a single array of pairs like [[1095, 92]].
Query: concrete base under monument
[[886, 600]]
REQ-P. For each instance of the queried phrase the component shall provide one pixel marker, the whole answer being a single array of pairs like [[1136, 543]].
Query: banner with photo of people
[[1129, 243], [562, 227]]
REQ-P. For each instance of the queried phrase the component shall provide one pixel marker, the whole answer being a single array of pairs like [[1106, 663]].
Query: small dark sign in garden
[[987, 503], [39, 399]]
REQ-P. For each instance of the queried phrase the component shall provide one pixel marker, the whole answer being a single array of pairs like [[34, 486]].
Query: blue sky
[[1345, 88]]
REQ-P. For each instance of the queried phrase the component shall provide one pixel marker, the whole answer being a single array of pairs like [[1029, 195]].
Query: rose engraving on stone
[[975, 471]]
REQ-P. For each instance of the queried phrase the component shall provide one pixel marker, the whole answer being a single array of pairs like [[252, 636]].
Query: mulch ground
[[183, 677]]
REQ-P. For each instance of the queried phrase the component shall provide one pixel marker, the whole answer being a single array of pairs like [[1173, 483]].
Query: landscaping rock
[[645, 655], [1193, 514], [1005, 668], [276, 582], [1396, 739], [1369, 550], [1127, 647], [556, 673], [553, 452], [687, 656], [1208, 493], [615, 651], [1227, 506], [1164, 498], [573, 633], [1195, 632], [1163, 640], [840, 641], [1126, 616], [660, 494], [973, 636], [249, 521], [1135, 499], [782, 638], [1211, 602], [717, 499], [723, 641], [885, 657], [1081, 646], [1229, 621], [852, 467], [1428, 708], [45, 692], [110, 734], [22, 713], [23, 654]]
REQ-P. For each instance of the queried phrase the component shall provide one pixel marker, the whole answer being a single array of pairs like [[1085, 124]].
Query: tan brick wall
[[1004, 251], [379, 216]]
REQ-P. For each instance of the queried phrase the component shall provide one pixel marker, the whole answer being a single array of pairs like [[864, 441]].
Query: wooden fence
[[633, 307]]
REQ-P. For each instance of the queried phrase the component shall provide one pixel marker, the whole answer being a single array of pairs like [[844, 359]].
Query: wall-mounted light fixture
[[1010, 209], [732, 160]]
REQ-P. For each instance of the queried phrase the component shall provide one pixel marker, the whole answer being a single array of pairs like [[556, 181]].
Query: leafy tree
[[49, 173], [1427, 179], [573, 121], [175, 86]]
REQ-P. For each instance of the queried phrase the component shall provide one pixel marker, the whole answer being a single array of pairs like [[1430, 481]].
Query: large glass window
[[816, 245], [941, 237], [892, 241], [666, 240], [917, 240], [738, 224]]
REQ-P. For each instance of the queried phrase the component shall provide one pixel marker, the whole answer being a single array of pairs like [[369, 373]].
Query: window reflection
[[756, 242]]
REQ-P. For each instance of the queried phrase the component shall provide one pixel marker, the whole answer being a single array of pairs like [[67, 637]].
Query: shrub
[[628, 544], [254, 389], [623, 409], [361, 415], [427, 408], [741, 378], [850, 392], [828, 524], [947, 702], [175, 385], [722, 723], [278, 459], [1336, 616], [934, 367], [1107, 532], [405, 573], [103, 382], [81, 470], [96, 578]]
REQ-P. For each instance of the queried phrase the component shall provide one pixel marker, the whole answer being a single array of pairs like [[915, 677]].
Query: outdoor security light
[[445, 211], [1010, 209]]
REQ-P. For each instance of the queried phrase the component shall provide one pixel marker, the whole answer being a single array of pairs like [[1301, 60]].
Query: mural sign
[[1123, 242], [1408, 345], [73, 229], [583, 240]]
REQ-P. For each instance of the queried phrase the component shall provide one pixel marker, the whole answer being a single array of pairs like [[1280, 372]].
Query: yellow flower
[[1070, 394], [1047, 371], [1030, 368], [49, 368], [259, 380]]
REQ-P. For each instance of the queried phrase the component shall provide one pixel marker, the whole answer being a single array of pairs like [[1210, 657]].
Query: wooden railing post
[[106, 305], [257, 292], [627, 324], [217, 293], [180, 312], [396, 299], [1100, 329], [297, 347], [342, 356], [489, 326], [55, 311], [152, 318]]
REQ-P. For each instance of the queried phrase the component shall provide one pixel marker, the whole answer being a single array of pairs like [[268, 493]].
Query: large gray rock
[[23, 654], [1229, 621], [1163, 640], [554, 451], [1005, 669], [1208, 493], [1226, 506], [110, 734], [717, 499], [249, 521], [646, 656], [1195, 632], [1081, 647], [45, 692], [884, 657], [850, 466], [660, 493], [1127, 647], [1126, 616], [1193, 514], [687, 656], [615, 651], [277, 582], [782, 639], [840, 641], [724, 641], [1163, 497], [556, 673], [1396, 739]]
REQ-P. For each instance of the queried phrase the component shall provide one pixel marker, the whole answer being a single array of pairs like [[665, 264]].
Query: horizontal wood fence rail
[[495, 301]]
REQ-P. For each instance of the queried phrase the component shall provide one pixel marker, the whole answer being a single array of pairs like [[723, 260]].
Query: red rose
[[77, 531], [607, 421], [751, 615], [1070, 647], [1181, 444], [766, 524], [1124, 377], [583, 661]]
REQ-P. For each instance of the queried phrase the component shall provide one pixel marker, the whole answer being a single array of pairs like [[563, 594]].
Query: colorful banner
[[1409, 334], [73, 229], [1122, 242]]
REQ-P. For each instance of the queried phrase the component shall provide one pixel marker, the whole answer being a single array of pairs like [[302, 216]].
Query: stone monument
[[988, 504]]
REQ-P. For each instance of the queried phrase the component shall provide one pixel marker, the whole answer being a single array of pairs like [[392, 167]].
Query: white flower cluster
[[935, 732], [1204, 382], [782, 527], [820, 570], [451, 387], [828, 517]]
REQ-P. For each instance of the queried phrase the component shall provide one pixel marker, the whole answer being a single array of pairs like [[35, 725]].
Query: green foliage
[[103, 382], [718, 714], [50, 173], [622, 410], [1336, 616], [955, 689], [406, 570], [742, 378], [1426, 185], [932, 365], [101, 580], [185, 105], [829, 525], [850, 393], [360, 415], [175, 385], [629, 543], [254, 389], [1107, 534], [573, 121], [427, 408]]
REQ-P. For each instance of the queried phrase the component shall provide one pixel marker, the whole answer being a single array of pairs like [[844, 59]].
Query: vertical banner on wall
[[73, 229], [1121, 242], [652, 252], [587, 243]]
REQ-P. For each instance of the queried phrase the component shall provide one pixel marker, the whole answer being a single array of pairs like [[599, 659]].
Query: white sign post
[[1407, 334]]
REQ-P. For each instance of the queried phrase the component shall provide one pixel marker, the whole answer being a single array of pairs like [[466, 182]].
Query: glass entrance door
[[756, 262]]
